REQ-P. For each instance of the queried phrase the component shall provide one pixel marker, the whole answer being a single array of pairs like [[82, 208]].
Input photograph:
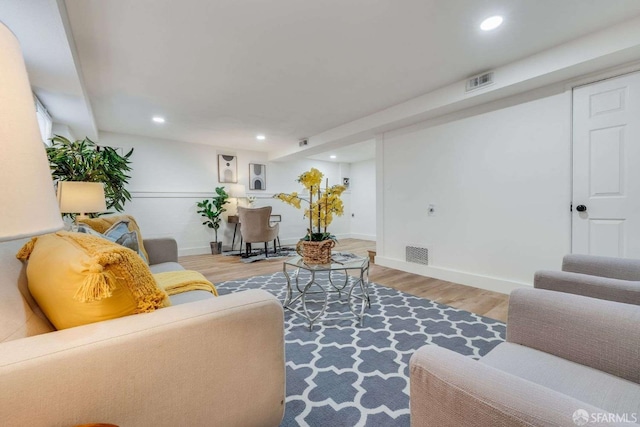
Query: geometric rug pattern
[[341, 374]]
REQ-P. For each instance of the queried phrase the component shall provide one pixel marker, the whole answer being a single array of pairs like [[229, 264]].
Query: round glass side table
[[324, 279]]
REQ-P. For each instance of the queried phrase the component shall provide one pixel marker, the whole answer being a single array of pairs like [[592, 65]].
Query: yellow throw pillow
[[77, 279], [103, 223]]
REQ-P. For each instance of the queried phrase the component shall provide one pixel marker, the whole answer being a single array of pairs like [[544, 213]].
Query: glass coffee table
[[325, 279]]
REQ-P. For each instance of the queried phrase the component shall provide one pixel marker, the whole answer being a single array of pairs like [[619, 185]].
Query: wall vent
[[477, 82], [417, 255]]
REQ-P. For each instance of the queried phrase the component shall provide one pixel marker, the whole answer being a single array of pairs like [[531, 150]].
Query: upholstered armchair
[[256, 228], [566, 357], [613, 279]]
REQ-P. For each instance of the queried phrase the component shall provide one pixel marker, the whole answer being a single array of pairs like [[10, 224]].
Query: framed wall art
[[257, 176], [227, 169]]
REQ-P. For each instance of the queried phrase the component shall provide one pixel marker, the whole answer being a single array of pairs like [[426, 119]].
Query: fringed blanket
[[176, 282]]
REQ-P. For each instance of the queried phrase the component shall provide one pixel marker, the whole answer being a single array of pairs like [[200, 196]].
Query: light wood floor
[[479, 301]]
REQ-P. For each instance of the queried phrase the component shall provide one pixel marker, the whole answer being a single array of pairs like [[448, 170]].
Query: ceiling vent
[[477, 82], [303, 142]]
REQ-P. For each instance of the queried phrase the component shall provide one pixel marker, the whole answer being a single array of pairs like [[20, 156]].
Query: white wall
[[169, 177], [500, 180], [281, 178], [62, 130], [363, 200]]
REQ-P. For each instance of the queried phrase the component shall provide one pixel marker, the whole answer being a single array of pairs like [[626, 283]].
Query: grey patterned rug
[[341, 374]]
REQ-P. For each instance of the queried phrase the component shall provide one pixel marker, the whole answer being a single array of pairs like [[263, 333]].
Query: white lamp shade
[[238, 191], [27, 197], [81, 197]]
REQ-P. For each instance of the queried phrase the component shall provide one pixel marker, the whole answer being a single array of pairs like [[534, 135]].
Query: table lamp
[[27, 198], [78, 197], [237, 191]]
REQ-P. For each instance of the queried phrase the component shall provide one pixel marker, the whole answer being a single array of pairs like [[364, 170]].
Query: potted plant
[[83, 160], [315, 246], [212, 209]]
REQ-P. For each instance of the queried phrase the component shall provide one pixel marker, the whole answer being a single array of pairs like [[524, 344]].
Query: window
[[44, 121]]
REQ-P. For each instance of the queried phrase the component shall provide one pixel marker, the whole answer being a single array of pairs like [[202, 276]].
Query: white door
[[606, 168]]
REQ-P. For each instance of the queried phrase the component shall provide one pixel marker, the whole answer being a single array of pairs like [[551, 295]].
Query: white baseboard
[[204, 250], [465, 278], [201, 250], [343, 236], [291, 241], [371, 237]]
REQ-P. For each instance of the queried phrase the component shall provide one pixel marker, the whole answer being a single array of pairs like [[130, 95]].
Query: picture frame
[[257, 176], [227, 169]]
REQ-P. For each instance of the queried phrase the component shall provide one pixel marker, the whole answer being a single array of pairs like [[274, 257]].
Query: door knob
[[581, 208]]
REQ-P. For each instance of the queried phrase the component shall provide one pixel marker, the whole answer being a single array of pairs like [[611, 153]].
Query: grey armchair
[[256, 228], [564, 353], [613, 279]]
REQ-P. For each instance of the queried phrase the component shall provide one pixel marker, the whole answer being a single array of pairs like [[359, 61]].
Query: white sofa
[[202, 362]]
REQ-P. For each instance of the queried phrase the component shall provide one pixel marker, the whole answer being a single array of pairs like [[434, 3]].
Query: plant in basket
[[323, 205]]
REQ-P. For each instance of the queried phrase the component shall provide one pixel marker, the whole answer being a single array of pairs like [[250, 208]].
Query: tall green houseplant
[[212, 211], [83, 160]]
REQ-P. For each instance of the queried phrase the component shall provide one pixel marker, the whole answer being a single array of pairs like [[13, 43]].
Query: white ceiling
[[54, 76], [222, 71], [349, 154]]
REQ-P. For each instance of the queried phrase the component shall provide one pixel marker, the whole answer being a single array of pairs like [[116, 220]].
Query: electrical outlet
[[431, 210]]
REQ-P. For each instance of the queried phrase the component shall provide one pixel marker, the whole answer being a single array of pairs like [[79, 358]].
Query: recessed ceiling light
[[158, 119], [491, 23], [332, 156], [261, 137]]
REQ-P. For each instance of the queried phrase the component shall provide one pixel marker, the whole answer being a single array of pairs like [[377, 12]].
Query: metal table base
[[321, 286]]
